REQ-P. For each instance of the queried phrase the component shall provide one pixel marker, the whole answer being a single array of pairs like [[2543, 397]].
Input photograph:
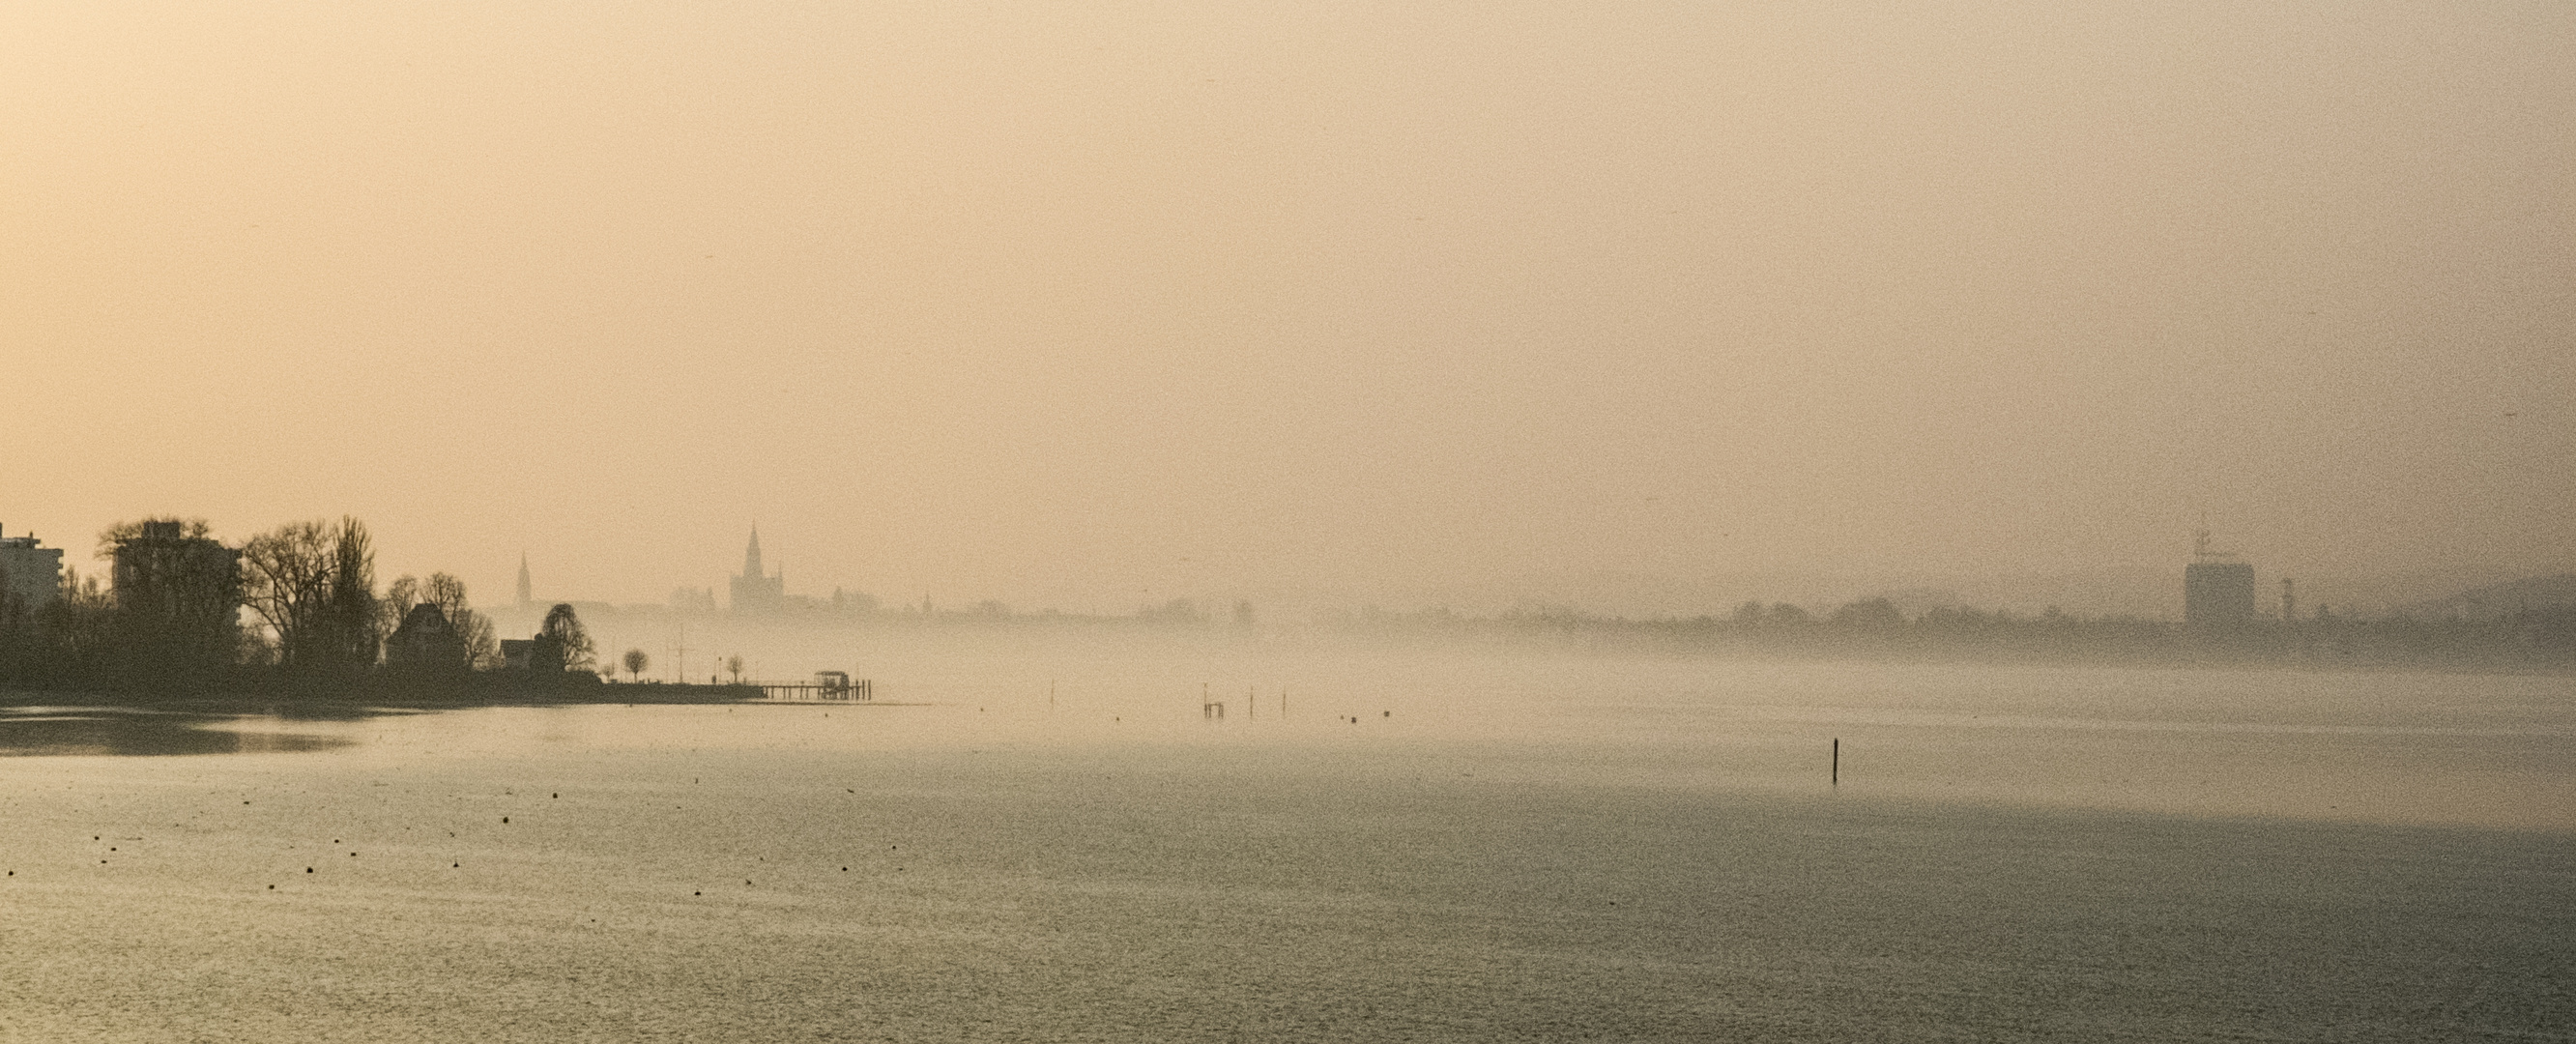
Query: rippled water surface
[[1412, 848]]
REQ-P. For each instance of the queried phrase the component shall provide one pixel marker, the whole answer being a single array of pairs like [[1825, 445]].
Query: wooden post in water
[[1837, 777]]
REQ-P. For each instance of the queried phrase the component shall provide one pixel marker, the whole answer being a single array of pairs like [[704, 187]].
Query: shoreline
[[374, 694]]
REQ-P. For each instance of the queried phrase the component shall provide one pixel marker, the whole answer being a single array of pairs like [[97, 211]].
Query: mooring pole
[[1838, 761]]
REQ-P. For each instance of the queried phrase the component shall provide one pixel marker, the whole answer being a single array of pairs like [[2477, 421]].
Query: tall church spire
[[755, 591], [527, 596]]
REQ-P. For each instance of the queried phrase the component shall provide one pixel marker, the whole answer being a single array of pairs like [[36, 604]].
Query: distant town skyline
[[2159, 592], [2149, 592]]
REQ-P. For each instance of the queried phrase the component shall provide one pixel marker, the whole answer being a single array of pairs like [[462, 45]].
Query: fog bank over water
[[2393, 747], [1091, 306]]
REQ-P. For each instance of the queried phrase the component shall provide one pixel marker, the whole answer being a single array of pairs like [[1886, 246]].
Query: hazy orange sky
[[1080, 304]]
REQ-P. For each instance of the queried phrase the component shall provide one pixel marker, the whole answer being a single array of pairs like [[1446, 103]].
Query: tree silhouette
[[177, 593], [313, 585], [562, 642], [475, 629], [474, 646], [636, 661]]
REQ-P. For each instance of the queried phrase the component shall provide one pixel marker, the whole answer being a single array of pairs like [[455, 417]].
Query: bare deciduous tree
[[313, 585], [399, 597], [108, 538], [355, 637], [477, 647], [80, 624], [178, 595], [636, 661], [287, 579], [482, 648], [562, 642]]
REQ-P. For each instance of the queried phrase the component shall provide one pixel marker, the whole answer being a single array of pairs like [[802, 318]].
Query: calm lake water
[[1417, 847]]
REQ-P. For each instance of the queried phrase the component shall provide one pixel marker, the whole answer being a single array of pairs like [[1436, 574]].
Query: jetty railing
[[820, 691]]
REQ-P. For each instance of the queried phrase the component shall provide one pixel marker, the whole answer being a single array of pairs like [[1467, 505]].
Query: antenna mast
[[2200, 549]]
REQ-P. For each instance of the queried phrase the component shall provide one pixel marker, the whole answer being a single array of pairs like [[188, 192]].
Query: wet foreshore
[[174, 718]]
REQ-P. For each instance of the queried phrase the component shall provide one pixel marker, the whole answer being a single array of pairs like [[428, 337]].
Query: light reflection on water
[[129, 732], [1490, 851]]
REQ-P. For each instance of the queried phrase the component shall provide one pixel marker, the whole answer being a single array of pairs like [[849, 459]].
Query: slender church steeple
[[755, 591], [527, 595]]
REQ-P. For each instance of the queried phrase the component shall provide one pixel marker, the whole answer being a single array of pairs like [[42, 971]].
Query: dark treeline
[[1877, 629], [297, 607], [2542, 638]]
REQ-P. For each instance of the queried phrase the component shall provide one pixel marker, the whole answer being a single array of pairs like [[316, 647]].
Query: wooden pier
[[827, 687]]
